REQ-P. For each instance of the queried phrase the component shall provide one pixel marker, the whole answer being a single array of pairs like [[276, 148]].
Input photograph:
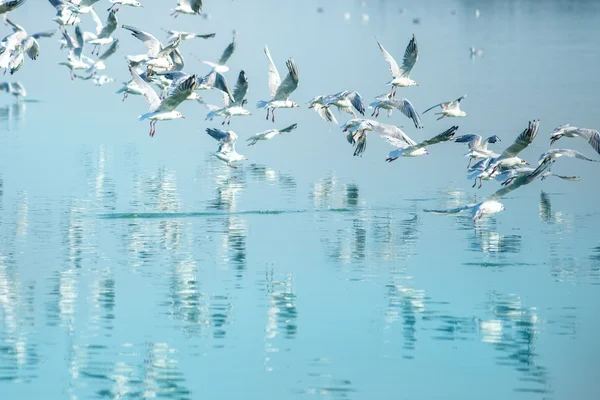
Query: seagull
[[212, 80], [76, 57], [344, 101], [17, 43], [401, 75], [486, 168], [130, 3], [450, 109], [412, 149], [357, 133], [592, 136], [191, 7], [162, 110], [226, 151], [403, 105], [324, 112], [510, 175], [188, 35], [102, 80], [280, 91], [164, 58], [10, 5], [475, 52], [477, 211], [14, 88], [220, 66], [64, 15], [80, 6], [270, 134], [235, 108], [105, 31], [477, 147]]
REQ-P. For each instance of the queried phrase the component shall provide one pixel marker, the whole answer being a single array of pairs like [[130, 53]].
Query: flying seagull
[[280, 91], [220, 66], [10, 5], [226, 150], [478, 146], [190, 7], [270, 134], [591, 135], [410, 148], [401, 75], [403, 105], [450, 108], [163, 110]]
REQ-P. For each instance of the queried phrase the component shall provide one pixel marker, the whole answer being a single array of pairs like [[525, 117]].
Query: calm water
[[133, 267]]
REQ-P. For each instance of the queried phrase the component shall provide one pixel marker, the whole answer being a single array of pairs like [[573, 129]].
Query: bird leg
[[252, 143], [229, 122], [231, 166], [111, 7], [443, 115], [174, 14], [377, 115], [267, 114], [72, 74], [469, 165], [374, 111], [480, 182], [125, 95], [474, 183], [273, 115], [390, 159]]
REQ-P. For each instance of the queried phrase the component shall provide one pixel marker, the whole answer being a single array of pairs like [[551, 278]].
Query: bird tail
[[144, 116], [261, 104], [289, 128]]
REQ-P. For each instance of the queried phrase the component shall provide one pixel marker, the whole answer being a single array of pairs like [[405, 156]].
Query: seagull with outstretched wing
[[401, 75], [403, 105], [226, 150], [449, 108]]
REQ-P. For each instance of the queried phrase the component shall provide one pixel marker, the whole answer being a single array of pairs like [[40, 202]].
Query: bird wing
[[111, 50], [226, 139], [32, 47], [274, 78], [567, 153], [393, 135], [289, 84], [432, 107], [4, 86], [97, 21], [177, 60], [452, 210], [473, 141], [196, 6], [15, 27], [87, 3], [152, 44], [48, 33], [289, 128], [10, 5], [455, 103], [241, 88], [78, 49], [111, 25], [149, 93], [227, 52], [356, 101], [325, 113], [522, 141], [442, 137], [592, 136], [411, 55], [388, 57], [407, 109], [179, 94], [522, 180]]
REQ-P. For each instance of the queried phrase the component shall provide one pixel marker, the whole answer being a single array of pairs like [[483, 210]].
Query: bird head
[[494, 139], [524, 162], [137, 4], [179, 115], [294, 105]]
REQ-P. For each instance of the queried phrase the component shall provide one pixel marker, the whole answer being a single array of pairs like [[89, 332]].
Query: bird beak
[[183, 117], [417, 84]]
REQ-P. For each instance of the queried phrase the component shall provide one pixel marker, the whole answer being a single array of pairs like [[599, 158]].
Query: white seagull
[[99, 63], [270, 134], [590, 135], [409, 148], [162, 110], [226, 150], [75, 60], [236, 107], [344, 101], [280, 91], [450, 108], [190, 7], [403, 105], [220, 66], [478, 146], [556, 153], [163, 58], [401, 75], [14, 88], [188, 35], [103, 31]]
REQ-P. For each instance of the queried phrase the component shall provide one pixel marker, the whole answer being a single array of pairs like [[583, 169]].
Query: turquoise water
[[137, 267]]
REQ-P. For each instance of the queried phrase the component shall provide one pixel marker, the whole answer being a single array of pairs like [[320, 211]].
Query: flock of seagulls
[[158, 75]]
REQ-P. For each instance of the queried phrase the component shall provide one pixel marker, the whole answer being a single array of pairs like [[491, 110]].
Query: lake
[[136, 267]]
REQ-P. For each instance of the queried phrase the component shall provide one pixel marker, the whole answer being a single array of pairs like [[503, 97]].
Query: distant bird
[[191, 7], [270, 134], [162, 110], [477, 211], [450, 108], [591, 135], [226, 150], [188, 35], [477, 147], [64, 15], [14, 88], [475, 52], [102, 80], [130, 3], [280, 91], [10, 5], [16, 44], [403, 105], [220, 66], [237, 106], [344, 101], [401, 75], [412, 149], [159, 57]]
